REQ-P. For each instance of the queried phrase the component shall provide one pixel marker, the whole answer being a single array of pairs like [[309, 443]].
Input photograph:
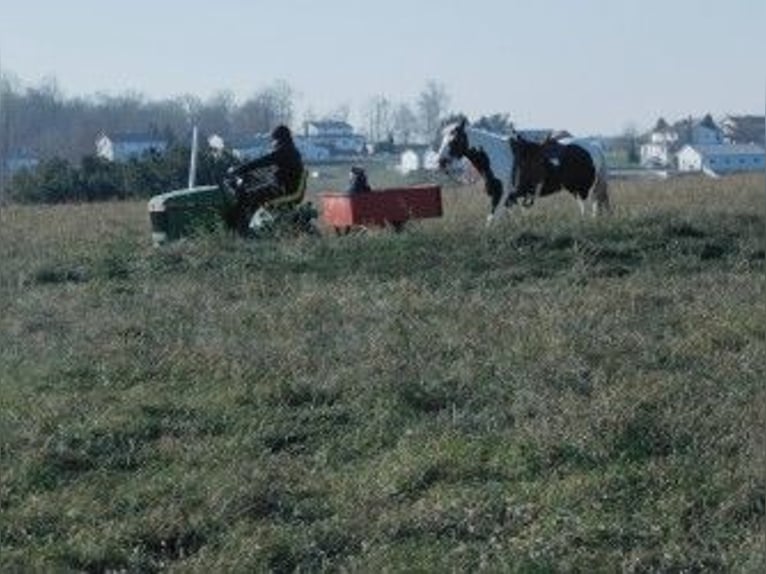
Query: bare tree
[[215, 115], [404, 123], [266, 109], [379, 116], [432, 105]]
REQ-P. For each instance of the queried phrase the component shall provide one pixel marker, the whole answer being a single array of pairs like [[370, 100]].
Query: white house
[[657, 151], [411, 160], [721, 158], [328, 128], [122, 147]]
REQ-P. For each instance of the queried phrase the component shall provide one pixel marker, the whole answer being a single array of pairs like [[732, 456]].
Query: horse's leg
[[499, 195]]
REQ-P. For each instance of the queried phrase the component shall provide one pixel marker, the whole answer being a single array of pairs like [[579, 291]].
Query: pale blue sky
[[590, 66]]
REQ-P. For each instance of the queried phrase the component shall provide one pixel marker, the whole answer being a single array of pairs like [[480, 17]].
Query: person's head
[[281, 134]]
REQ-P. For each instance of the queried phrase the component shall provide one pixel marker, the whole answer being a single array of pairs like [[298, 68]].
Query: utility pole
[[3, 135], [193, 158]]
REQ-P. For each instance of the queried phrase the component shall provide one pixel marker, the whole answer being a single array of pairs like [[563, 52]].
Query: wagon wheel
[[341, 231]]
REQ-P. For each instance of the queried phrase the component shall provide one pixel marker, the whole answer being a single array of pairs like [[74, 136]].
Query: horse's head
[[529, 166], [454, 143]]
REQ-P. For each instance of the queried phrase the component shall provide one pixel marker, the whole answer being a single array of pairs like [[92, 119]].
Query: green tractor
[[186, 212]]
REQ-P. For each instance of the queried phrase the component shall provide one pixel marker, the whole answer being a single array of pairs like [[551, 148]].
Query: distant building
[[328, 128], [321, 142], [416, 158], [664, 141], [409, 161], [337, 137], [122, 147], [657, 152], [216, 144], [720, 159]]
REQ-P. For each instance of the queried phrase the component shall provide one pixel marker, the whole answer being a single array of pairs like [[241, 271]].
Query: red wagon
[[390, 206]]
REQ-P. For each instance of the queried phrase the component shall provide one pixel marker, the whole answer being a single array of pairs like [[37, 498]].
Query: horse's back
[[595, 151]]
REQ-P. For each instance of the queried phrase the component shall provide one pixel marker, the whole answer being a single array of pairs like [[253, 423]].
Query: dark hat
[[281, 133]]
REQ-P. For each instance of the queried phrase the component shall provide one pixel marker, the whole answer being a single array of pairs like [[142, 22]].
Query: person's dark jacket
[[287, 160]]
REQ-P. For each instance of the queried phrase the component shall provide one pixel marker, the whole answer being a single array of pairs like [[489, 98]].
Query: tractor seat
[[293, 199]]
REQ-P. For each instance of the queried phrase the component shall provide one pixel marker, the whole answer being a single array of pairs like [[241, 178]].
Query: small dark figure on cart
[[357, 180], [266, 178]]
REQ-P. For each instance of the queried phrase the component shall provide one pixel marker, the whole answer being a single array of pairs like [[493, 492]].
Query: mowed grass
[[552, 394]]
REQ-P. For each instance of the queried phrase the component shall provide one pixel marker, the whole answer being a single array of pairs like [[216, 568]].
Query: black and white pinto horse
[[515, 169]]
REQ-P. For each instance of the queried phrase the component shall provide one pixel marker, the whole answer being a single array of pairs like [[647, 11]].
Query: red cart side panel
[[381, 206]]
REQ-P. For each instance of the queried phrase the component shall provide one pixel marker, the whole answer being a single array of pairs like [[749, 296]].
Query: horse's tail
[[600, 189]]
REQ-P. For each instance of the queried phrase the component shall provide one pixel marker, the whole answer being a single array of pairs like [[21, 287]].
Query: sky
[[588, 66]]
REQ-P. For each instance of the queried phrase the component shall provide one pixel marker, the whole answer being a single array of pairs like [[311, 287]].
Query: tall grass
[[551, 394]]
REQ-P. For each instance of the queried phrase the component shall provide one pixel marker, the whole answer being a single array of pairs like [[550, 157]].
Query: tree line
[[40, 121], [57, 180]]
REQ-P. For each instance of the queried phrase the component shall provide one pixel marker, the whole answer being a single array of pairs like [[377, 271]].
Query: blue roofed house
[[720, 159], [121, 147], [337, 137]]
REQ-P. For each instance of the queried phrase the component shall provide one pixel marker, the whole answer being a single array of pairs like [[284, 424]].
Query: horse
[[490, 154], [514, 168], [541, 169]]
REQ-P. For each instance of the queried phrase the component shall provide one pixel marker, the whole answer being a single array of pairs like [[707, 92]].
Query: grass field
[[552, 394]]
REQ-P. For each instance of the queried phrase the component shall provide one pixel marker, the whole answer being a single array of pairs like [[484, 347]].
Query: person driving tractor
[[252, 189]]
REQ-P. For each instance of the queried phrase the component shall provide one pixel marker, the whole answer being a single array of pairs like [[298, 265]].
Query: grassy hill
[[552, 394]]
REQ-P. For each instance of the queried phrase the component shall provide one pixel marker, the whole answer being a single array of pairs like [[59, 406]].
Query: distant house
[[416, 158], [720, 159], [122, 147], [335, 136], [328, 128], [657, 151], [321, 141], [664, 141], [409, 161]]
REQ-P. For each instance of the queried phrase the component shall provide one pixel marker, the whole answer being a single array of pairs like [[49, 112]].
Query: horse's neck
[[490, 154], [480, 160]]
